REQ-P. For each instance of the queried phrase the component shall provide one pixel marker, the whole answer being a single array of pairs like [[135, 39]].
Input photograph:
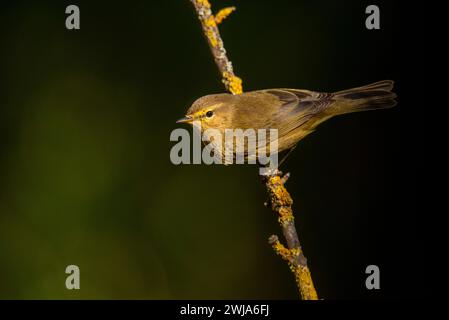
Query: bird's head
[[213, 111]]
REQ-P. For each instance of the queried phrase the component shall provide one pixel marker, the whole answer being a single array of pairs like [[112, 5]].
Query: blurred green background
[[85, 173]]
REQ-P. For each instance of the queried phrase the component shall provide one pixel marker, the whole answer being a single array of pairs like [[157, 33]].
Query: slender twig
[[281, 203], [209, 23], [280, 200]]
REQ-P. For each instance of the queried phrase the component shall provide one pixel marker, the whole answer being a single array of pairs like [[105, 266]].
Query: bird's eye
[[209, 114]]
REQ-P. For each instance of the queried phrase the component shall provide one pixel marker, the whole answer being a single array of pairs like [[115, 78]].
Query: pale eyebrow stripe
[[214, 105]]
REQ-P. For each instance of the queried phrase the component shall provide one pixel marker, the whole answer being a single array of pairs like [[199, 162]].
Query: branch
[[209, 23], [281, 203], [280, 200]]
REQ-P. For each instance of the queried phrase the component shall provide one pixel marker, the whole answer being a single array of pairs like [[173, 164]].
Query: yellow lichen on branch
[[232, 82], [302, 274], [281, 203], [209, 24], [223, 14], [212, 39], [304, 281], [282, 199], [204, 3], [280, 249]]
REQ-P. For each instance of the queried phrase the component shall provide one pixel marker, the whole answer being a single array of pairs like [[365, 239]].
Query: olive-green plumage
[[294, 113]]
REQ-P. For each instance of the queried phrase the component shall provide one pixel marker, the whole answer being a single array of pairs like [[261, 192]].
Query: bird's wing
[[296, 108], [287, 110]]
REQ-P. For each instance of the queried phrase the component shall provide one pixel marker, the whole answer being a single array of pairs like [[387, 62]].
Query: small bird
[[294, 113]]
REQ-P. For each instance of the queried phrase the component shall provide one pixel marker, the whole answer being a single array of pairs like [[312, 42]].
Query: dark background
[[85, 173]]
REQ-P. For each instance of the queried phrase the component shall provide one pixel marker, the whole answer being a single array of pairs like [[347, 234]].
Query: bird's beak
[[186, 119]]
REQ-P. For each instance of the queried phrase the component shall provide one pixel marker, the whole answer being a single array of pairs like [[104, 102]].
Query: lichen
[[210, 22], [223, 14], [233, 83], [304, 281], [204, 3], [212, 38], [281, 250]]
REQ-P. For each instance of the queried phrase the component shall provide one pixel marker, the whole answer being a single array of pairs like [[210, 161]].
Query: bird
[[294, 113]]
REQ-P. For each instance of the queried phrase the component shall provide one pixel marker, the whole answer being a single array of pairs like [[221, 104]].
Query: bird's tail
[[373, 96]]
